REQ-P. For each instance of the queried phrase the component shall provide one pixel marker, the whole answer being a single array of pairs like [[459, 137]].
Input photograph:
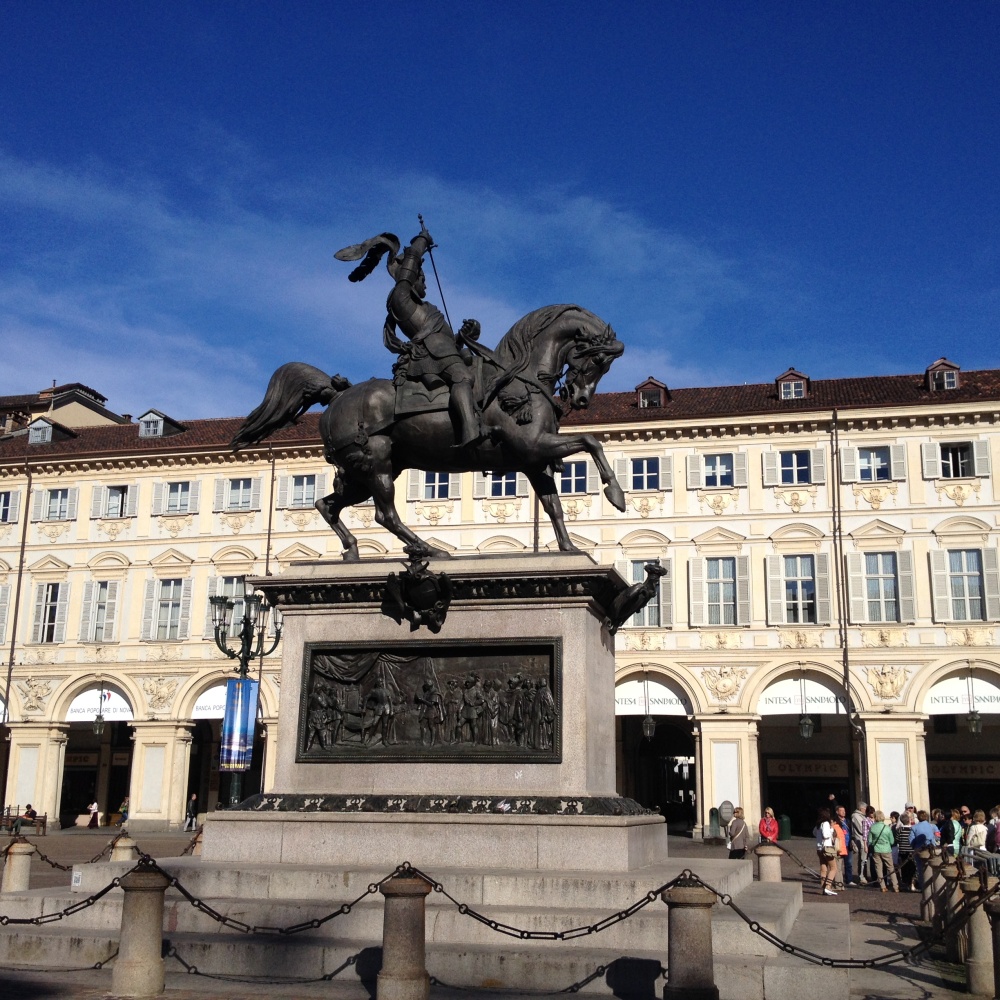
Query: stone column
[[938, 901], [124, 850], [926, 885], [690, 966], [138, 970], [160, 765], [950, 900], [17, 871], [270, 754], [37, 755], [404, 973], [769, 857], [993, 912], [700, 809], [979, 955]]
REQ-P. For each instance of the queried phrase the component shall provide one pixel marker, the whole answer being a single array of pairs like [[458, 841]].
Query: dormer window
[[151, 426], [792, 385], [651, 394], [40, 432], [942, 375]]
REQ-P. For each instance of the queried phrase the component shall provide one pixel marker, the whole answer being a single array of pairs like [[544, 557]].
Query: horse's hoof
[[615, 495], [351, 555]]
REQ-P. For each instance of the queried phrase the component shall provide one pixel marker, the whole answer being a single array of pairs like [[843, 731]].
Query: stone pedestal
[[769, 858], [404, 972], [17, 870], [138, 969], [690, 963], [390, 792], [124, 849], [979, 956]]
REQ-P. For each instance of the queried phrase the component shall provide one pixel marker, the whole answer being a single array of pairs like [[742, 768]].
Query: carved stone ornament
[[174, 524], [982, 636], [236, 522], [434, 512], [573, 507], [883, 637], [475, 701], [41, 655], [166, 653], [635, 639], [502, 510], [104, 654], [54, 530], [958, 492], [796, 499], [33, 692], [418, 596], [6, 527], [301, 517], [363, 515], [721, 640], [800, 638], [875, 496], [724, 682], [159, 691], [113, 527], [887, 681], [645, 504], [718, 500]]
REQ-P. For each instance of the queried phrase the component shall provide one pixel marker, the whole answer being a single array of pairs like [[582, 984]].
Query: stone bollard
[[17, 871], [993, 912], [979, 956], [769, 858], [937, 893], [124, 849], [926, 885], [404, 973], [138, 970], [690, 966], [951, 900]]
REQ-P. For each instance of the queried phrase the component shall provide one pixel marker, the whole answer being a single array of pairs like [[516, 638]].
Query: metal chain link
[[193, 842], [48, 918], [193, 970]]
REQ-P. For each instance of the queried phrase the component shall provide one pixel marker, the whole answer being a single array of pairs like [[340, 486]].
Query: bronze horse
[[560, 349]]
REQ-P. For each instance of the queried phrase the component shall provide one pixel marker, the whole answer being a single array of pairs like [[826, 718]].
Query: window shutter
[[62, 607], [4, 605], [454, 485], [667, 594], [897, 462], [97, 501], [775, 590], [158, 491], [14, 510], [414, 484], [695, 478], [856, 587], [214, 588], [622, 473], [771, 468], [904, 571], [742, 590], [320, 485], [848, 464], [667, 472], [184, 626], [87, 614], [255, 494], [940, 588], [740, 476], [148, 605], [817, 466], [824, 610], [991, 583], [930, 460], [593, 479], [220, 495], [282, 502], [72, 502], [194, 496], [38, 504], [132, 500], [111, 613], [478, 485], [522, 485], [696, 588], [36, 630], [981, 458], [624, 568]]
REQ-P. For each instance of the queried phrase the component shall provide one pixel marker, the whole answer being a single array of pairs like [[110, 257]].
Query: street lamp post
[[252, 637]]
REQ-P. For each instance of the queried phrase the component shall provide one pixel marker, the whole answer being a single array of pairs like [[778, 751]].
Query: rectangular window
[[436, 485], [881, 587], [6, 507], [48, 621], [240, 494], [168, 609], [720, 579], [573, 478], [649, 616], [944, 380], [57, 508], [800, 590], [100, 611], [956, 461], [874, 465], [795, 467], [965, 579], [645, 473], [793, 390], [503, 484], [303, 491], [178, 498], [718, 470], [116, 501], [231, 587]]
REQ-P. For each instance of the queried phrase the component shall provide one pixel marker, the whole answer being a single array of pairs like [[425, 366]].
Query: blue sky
[[736, 187]]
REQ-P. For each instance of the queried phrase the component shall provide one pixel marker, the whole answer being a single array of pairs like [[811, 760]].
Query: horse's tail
[[293, 389]]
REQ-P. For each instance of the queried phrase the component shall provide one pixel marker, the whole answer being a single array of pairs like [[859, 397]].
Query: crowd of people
[[869, 848]]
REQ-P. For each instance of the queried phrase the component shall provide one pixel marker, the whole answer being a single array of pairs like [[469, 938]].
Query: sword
[[430, 253]]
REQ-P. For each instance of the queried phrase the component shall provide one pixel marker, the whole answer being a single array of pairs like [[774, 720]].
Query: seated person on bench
[[29, 815]]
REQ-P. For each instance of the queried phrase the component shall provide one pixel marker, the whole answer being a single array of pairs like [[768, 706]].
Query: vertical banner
[[238, 724]]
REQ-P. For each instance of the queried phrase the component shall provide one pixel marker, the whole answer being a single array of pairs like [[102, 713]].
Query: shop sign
[[977, 770], [784, 697], [119, 758], [630, 699], [951, 696], [211, 704], [806, 768], [111, 704], [81, 760]]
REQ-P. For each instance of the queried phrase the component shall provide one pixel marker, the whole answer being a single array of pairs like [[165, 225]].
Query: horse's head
[[591, 356]]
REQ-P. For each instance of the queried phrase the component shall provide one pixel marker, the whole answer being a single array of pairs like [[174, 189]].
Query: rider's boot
[[464, 415]]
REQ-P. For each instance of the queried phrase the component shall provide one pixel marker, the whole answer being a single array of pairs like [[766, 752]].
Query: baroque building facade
[[827, 622]]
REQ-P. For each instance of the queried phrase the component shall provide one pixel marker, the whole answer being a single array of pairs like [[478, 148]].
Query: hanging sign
[[784, 697], [630, 699], [238, 725], [211, 704], [110, 704], [951, 696]]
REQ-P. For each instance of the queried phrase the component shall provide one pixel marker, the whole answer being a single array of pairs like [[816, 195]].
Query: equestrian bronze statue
[[453, 405]]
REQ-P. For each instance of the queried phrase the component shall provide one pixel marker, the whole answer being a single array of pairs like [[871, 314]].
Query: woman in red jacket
[[768, 827]]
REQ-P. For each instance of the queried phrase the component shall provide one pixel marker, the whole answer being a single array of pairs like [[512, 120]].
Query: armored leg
[[463, 412]]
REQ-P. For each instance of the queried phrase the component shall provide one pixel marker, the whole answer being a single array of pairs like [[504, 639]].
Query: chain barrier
[[896, 869], [193, 970], [193, 842], [108, 848], [48, 918]]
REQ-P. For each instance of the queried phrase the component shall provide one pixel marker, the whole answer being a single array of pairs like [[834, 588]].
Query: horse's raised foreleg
[[557, 446], [330, 508], [548, 496]]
